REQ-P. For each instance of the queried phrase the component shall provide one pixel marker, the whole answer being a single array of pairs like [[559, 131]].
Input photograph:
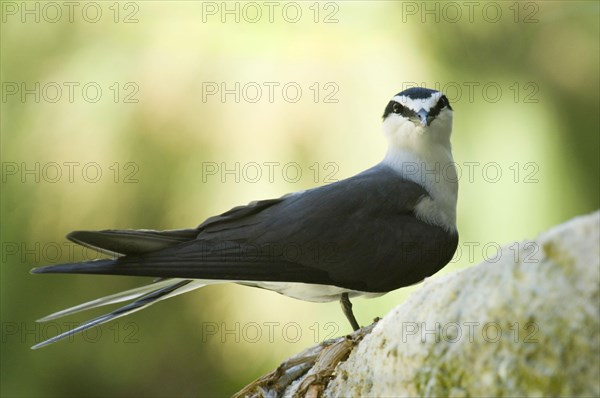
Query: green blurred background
[[524, 86]]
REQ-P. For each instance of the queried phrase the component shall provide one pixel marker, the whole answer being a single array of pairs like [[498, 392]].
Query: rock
[[525, 325]]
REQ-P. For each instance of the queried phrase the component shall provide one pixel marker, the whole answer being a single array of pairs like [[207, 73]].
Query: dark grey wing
[[238, 214], [347, 234], [356, 230]]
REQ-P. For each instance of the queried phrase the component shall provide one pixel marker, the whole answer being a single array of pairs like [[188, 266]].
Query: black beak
[[422, 115]]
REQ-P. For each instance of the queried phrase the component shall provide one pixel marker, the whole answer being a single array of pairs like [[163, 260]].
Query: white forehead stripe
[[417, 104]]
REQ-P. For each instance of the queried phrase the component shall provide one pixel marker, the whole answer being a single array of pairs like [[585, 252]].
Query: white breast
[[425, 157]]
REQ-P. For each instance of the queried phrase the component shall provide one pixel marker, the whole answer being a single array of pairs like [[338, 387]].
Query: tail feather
[[112, 299], [121, 242], [174, 288]]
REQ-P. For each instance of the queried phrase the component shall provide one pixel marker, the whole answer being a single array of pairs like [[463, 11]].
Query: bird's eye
[[397, 108], [443, 102]]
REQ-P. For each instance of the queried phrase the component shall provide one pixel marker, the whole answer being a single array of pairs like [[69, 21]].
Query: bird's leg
[[347, 308]]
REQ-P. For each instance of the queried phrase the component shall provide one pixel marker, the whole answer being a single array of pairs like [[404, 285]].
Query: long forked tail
[[148, 295], [122, 243]]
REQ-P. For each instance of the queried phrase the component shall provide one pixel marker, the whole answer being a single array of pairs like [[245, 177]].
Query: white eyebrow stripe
[[417, 104]]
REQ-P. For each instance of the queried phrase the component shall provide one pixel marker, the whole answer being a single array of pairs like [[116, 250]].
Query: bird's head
[[418, 116]]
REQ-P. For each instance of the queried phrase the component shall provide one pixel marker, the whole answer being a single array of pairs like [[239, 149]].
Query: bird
[[388, 227]]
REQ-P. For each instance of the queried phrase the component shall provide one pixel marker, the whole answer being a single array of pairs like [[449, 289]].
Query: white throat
[[424, 155]]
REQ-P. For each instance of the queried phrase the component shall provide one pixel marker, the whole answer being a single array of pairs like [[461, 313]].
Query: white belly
[[310, 292]]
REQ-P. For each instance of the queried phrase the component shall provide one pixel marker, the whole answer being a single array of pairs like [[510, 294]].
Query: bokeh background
[[522, 77]]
